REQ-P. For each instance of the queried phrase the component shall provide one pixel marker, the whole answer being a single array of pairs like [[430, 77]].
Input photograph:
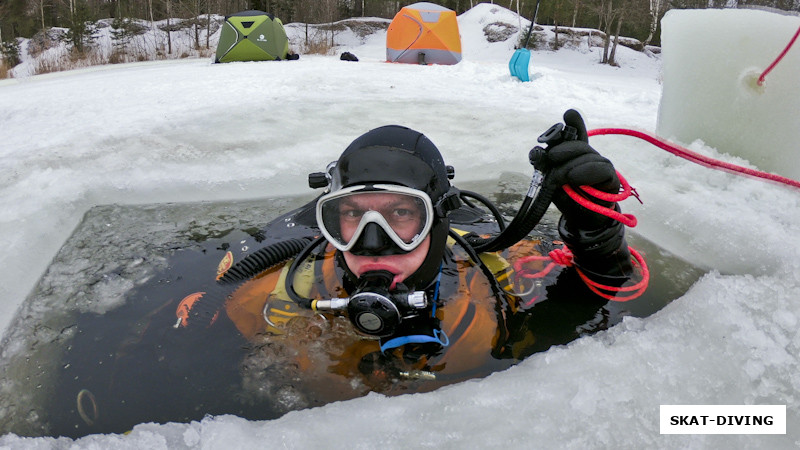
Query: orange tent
[[424, 33]]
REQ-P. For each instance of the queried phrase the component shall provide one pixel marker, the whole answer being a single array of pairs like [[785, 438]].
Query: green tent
[[252, 36]]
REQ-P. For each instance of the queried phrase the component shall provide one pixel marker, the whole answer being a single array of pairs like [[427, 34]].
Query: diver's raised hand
[[576, 163]]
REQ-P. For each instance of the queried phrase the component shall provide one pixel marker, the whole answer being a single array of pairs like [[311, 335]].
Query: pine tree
[[82, 30]]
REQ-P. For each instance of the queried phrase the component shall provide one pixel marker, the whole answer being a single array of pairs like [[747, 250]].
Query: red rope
[[777, 60], [626, 219], [563, 256], [560, 256], [625, 191], [695, 157], [630, 292]]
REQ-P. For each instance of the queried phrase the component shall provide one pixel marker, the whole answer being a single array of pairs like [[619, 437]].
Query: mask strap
[[450, 201]]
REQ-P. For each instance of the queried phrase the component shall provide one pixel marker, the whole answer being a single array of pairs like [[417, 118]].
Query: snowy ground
[[193, 131]]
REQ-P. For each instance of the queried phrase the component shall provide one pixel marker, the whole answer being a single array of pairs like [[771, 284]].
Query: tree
[[657, 10], [9, 52], [15, 19], [82, 30], [608, 15], [168, 6], [323, 11], [122, 31], [615, 12], [40, 7], [575, 13]]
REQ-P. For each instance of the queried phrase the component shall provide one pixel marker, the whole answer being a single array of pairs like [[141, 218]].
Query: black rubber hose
[[206, 308], [531, 212], [263, 259], [289, 282], [498, 216], [475, 256], [532, 209]]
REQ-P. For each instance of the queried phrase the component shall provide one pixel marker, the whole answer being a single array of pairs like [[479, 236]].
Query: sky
[[190, 130]]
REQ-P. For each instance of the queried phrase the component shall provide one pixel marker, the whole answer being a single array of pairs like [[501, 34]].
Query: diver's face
[[405, 215], [400, 265]]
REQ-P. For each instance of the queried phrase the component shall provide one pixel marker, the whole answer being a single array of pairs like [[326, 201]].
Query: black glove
[[597, 241], [576, 163]]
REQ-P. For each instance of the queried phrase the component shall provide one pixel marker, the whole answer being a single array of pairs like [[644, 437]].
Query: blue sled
[[519, 64]]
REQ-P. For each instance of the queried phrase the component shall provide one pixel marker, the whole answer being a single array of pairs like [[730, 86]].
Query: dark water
[[93, 348]]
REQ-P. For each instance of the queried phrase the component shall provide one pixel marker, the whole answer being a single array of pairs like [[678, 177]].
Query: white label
[[723, 419]]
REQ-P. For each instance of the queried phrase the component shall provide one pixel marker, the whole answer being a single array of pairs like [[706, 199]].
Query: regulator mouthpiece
[[374, 310]]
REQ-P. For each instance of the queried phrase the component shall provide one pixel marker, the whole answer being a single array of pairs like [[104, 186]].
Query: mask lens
[[404, 215]]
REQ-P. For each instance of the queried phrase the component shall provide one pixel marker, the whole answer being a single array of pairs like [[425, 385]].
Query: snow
[[191, 130]]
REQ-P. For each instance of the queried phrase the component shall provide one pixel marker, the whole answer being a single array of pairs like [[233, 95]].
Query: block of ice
[[710, 89]]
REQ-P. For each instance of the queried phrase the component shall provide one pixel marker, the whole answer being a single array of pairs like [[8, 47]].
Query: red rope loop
[[626, 191], [623, 293], [560, 256], [564, 257], [522, 272]]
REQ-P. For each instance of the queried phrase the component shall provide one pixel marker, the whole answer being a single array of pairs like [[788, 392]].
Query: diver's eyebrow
[[347, 201], [350, 201]]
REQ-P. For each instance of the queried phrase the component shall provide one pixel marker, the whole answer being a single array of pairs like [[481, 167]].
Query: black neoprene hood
[[395, 155]]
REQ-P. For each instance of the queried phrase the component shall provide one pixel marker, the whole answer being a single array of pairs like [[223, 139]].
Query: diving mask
[[404, 214]]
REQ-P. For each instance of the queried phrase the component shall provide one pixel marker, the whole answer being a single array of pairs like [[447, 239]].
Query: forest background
[[75, 22]]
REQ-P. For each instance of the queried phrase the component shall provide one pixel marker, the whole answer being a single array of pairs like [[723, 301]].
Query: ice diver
[[383, 283], [401, 291]]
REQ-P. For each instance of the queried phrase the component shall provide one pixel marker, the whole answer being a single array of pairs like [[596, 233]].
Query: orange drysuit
[[332, 360]]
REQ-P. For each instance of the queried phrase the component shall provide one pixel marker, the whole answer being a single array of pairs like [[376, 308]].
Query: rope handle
[[564, 257], [625, 192]]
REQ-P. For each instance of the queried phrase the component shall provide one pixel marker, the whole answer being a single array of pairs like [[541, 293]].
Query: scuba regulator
[[374, 310]]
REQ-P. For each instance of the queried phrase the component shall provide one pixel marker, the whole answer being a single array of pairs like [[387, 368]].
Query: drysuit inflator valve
[[372, 308]]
